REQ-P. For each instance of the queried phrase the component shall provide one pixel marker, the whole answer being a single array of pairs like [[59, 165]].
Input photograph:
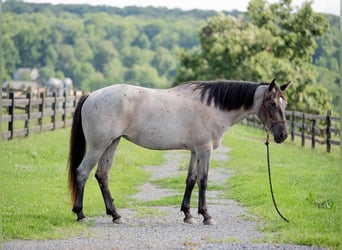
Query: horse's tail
[[77, 148]]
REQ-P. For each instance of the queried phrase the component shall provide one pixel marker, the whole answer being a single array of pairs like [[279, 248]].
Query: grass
[[305, 181], [33, 176], [36, 203]]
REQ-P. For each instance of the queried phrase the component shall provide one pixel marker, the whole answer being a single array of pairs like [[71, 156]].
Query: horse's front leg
[[190, 184], [202, 180], [101, 175]]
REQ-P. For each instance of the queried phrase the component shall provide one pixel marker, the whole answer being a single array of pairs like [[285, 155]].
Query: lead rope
[[267, 142]]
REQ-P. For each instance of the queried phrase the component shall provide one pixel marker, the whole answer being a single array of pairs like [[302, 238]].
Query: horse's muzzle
[[280, 133]]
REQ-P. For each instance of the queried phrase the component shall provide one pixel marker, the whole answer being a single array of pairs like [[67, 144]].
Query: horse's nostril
[[282, 135]]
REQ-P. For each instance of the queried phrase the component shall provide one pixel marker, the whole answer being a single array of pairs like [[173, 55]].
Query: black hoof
[[80, 216], [209, 222], [190, 220], [118, 221]]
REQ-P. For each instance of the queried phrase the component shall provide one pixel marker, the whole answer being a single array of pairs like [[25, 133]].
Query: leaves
[[278, 42], [95, 47]]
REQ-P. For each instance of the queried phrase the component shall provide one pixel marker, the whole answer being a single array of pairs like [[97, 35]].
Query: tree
[[143, 75], [278, 42], [11, 56], [164, 62], [103, 54], [141, 41], [101, 45]]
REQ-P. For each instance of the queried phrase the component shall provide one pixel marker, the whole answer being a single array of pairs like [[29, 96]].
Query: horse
[[192, 116]]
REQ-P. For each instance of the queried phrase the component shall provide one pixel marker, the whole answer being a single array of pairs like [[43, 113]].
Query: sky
[[323, 6]]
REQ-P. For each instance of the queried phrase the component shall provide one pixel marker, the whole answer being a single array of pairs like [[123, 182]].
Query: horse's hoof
[[82, 220], [119, 221], [80, 216], [209, 222], [190, 220]]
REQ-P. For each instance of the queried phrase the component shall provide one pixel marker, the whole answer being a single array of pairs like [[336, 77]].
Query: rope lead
[[267, 142]]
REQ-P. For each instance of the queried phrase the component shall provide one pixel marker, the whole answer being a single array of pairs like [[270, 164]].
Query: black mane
[[227, 95]]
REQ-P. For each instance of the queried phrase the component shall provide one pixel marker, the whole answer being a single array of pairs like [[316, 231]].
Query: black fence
[[24, 116], [316, 129]]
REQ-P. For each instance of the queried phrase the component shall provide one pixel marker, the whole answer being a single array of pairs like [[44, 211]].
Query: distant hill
[[99, 45]]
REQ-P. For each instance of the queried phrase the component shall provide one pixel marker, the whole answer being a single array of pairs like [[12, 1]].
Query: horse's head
[[272, 111]]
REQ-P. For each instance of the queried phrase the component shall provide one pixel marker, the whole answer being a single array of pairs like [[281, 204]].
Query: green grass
[[305, 182], [33, 176], [35, 202]]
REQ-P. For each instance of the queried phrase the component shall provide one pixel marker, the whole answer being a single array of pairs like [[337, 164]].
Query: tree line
[[99, 45]]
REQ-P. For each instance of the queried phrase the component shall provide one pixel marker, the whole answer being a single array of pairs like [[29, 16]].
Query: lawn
[[305, 182], [35, 203]]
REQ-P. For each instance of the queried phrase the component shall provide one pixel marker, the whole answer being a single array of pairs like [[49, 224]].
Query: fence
[[318, 129], [24, 116]]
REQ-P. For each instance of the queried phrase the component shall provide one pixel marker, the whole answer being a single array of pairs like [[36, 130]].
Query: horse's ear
[[283, 87], [272, 84]]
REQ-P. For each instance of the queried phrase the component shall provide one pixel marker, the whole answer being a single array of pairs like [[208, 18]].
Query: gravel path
[[162, 227]]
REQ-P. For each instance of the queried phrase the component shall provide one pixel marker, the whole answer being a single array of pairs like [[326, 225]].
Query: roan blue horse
[[193, 116]]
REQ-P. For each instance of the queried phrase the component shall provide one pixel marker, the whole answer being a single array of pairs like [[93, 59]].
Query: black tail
[[77, 148]]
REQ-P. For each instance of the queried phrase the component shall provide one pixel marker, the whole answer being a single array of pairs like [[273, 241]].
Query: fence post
[[75, 99], [54, 109], [28, 112], [303, 130], [328, 130], [292, 125], [64, 109], [11, 113], [313, 134], [41, 110]]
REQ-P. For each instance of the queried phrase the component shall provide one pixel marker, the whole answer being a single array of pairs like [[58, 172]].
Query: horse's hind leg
[[89, 161], [202, 180], [190, 184], [101, 175]]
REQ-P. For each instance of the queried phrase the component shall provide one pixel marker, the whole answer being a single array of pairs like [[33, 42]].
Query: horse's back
[[153, 118]]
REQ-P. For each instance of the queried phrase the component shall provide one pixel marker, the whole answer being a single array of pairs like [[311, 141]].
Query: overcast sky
[[325, 6]]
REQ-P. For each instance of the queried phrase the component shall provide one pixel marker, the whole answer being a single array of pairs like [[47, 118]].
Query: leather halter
[[267, 116]]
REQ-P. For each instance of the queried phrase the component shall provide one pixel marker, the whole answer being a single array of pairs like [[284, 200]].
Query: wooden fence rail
[[24, 116], [318, 129]]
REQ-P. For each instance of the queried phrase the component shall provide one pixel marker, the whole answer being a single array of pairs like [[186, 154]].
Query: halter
[[268, 117]]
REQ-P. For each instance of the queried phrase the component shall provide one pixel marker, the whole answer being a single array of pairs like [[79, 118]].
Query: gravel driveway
[[163, 228]]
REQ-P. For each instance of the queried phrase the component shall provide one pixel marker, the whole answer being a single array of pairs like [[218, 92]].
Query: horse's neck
[[235, 116], [258, 99]]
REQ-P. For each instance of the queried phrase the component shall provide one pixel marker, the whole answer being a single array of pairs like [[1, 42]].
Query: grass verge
[[33, 176], [305, 181], [36, 204]]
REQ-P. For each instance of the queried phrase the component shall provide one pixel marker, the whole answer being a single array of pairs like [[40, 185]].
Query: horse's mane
[[227, 95]]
